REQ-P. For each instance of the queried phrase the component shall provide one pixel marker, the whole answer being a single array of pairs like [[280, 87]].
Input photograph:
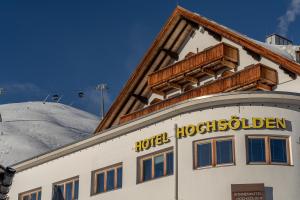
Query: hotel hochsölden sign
[[234, 123]]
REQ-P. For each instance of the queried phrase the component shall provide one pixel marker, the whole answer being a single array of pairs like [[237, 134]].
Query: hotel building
[[209, 114]]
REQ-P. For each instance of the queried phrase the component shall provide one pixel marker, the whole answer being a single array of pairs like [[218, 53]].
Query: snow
[[282, 51], [32, 128]]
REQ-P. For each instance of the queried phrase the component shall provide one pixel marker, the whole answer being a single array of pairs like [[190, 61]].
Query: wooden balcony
[[254, 77], [190, 70]]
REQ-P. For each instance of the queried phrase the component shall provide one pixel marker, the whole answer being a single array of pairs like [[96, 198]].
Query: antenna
[[61, 96], [102, 87], [44, 101]]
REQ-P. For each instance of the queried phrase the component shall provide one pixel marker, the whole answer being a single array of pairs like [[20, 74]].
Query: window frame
[[140, 166], [213, 142], [267, 139], [65, 182], [30, 192], [104, 170]]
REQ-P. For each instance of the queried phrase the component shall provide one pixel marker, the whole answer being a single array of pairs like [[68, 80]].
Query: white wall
[[203, 40], [209, 184]]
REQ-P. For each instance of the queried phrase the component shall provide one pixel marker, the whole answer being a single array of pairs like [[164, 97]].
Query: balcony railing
[[254, 77], [205, 63]]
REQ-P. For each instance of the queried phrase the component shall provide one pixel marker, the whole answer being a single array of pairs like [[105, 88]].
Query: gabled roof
[[172, 36]]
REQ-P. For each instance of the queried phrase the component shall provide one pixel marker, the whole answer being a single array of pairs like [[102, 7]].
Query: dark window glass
[[110, 181], [256, 150], [69, 191], [147, 169], [39, 195], [76, 188], [278, 150], [204, 155], [119, 177], [170, 163], [100, 183], [224, 152], [26, 197], [158, 166], [61, 188], [33, 196]]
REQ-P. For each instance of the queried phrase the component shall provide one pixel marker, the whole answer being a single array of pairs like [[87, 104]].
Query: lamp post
[[6, 177], [102, 87]]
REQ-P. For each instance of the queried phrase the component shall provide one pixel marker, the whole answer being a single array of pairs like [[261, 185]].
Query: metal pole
[[101, 87], [102, 102], [176, 165]]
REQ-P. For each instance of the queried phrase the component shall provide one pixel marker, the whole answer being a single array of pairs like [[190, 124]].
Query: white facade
[[210, 183]]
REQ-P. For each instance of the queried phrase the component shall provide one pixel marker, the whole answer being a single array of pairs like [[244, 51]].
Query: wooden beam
[[191, 23], [288, 72], [228, 64], [209, 72], [191, 79], [214, 34], [158, 92], [172, 54], [263, 87], [174, 85], [254, 55]]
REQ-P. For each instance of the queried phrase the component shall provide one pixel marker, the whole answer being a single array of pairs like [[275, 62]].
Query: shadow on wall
[[268, 193]]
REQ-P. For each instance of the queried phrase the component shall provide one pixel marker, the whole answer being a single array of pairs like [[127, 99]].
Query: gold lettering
[[190, 130], [234, 123], [270, 123], [201, 128], [222, 125], [158, 140], [245, 124], [138, 146], [152, 141], [211, 126], [281, 123], [145, 144], [180, 132], [256, 120], [165, 138]]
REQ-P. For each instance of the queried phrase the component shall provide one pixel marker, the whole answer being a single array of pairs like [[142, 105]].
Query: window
[[213, 152], [107, 179], [35, 194], [267, 150], [68, 189], [155, 165]]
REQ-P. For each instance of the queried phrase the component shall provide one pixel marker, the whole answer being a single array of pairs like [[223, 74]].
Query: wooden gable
[[158, 71]]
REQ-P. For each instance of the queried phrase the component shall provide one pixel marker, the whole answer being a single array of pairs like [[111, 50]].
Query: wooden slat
[[250, 77]]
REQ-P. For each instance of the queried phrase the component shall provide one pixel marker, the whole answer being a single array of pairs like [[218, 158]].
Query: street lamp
[[102, 87], [6, 177]]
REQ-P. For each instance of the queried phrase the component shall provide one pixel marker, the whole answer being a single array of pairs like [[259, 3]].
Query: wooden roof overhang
[[161, 53], [172, 36], [254, 77]]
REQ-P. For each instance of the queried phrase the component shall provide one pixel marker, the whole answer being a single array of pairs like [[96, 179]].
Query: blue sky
[[62, 47]]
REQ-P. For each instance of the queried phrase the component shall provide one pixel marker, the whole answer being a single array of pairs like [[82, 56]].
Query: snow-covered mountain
[[31, 128]]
